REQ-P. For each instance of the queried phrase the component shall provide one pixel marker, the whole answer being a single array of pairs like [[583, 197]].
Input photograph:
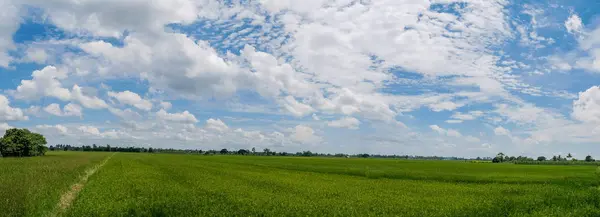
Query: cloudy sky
[[418, 77]]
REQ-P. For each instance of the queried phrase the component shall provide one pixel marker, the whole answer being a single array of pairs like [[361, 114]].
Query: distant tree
[[364, 155], [497, 159], [22, 143], [569, 156], [589, 158], [243, 152], [266, 151], [554, 158], [150, 150], [224, 151], [541, 158], [478, 158], [253, 150]]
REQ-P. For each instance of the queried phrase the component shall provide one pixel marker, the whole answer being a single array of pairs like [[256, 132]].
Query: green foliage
[[22, 143], [541, 158], [589, 159]]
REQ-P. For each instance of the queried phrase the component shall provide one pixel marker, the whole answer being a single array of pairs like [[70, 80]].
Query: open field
[[131, 184], [33, 186]]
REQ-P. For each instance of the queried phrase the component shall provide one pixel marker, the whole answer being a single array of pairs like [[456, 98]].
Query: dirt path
[[68, 197]]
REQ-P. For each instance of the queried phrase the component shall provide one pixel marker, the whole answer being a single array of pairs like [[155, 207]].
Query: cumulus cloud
[[587, 106], [346, 122], [445, 132], [183, 117], [69, 110], [4, 127], [501, 131], [216, 124], [91, 102], [45, 82], [304, 134], [8, 113], [131, 98], [574, 24], [53, 129]]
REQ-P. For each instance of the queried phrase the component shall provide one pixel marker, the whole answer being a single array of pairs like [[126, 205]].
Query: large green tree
[[22, 143]]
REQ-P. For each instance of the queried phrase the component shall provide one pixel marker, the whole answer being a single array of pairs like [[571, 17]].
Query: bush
[[22, 143]]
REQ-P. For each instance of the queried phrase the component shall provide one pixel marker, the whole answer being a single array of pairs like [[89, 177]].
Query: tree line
[[501, 157]]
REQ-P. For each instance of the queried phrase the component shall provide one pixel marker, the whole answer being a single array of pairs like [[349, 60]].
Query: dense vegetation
[[22, 143]]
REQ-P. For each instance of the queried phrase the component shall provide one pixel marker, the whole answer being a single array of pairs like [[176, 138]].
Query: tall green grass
[[32, 186], [183, 185]]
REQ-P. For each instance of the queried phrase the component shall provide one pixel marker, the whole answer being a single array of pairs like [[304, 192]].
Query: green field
[[131, 184]]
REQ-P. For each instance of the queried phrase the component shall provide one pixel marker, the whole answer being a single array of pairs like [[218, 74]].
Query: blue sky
[[432, 77]]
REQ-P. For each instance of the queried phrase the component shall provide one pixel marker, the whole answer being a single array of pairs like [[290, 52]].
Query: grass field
[[32, 186], [132, 184]]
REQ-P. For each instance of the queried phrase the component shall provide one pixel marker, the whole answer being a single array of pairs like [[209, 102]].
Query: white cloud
[[36, 55], [8, 113], [501, 131], [126, 114], [587, 107], [73, 110], [53, 129], [454, 121], [91, 102], [45, 82], [9, 23], [346, 122], [183, 117], [574, 24], [445, 132], [166, 105], [90, 130], [131, 98], [69, 110], [4, 127], [53, 109], [33, 110], [216, 124], [297, 108], [304, 134]]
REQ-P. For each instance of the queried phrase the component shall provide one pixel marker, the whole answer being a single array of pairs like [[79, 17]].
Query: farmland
[[132, 184]]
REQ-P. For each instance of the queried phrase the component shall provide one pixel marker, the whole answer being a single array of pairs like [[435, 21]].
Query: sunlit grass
[[188, 185], [32, 186]]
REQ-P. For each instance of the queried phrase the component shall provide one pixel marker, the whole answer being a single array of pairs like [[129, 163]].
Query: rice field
[[132, 184], [32, 186]]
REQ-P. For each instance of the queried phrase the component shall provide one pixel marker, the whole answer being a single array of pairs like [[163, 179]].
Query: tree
[[541, 158], [497, 159], [224, 151], [243, 152], [589, 159], [253, 150], [22, 143], [267, 151], [569, 156]]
